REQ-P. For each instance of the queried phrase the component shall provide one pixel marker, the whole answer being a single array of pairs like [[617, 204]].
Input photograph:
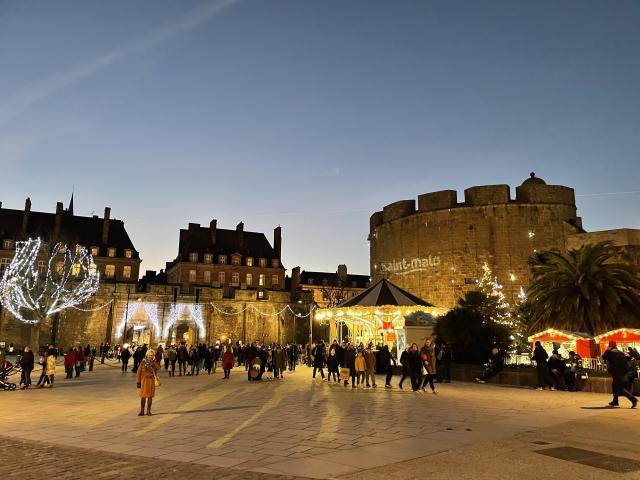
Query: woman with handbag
[[147, 380]]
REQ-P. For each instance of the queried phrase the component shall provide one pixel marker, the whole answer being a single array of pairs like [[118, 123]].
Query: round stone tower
[[437, 250]]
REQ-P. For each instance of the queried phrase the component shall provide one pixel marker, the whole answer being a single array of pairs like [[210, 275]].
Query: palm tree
[[583, 290]]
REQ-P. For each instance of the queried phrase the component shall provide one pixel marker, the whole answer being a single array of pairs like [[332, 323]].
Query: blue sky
[[313, 114]]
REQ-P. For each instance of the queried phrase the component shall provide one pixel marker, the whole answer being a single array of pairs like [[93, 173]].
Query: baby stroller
[[5, 371]]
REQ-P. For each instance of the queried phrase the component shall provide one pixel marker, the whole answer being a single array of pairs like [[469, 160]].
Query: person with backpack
[[619, 368]]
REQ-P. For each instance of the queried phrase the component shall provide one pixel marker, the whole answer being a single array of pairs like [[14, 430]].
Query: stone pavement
[[293, 427]]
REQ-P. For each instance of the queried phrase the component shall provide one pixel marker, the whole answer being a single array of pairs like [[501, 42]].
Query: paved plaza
[[206, 427]]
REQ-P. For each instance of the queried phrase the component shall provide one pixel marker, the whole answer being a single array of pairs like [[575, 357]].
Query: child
[[361, 367]]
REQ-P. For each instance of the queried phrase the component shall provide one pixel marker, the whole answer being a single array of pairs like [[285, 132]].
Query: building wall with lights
[[437, 250]]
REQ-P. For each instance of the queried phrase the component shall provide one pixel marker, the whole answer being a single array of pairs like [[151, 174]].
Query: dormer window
[[208, 258], [111, 252], [263, 262], [95, 251], [128, 253], [7, 244], [235, 259], [249, 261], [222, 259], [193, 257], [275, 263]]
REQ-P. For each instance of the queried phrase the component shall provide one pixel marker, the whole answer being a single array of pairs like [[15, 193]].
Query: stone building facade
[[329, 289], [626, 242], [436, 251]]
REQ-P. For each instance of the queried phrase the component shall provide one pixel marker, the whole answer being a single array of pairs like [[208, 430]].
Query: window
[[79, 249], [249, 261], [41, 267], [235, 260], [221, 277], [95, 251], [207, 277], [262, 295], [208, 258], [93, 269], [76, 269], [275, 281], [7, 244], [261, 280], [192, 276], [4, 263], [249, 279], [126, 271], [263, 262], [193, 257], [235, 278], [275, 262], [128, 253], [222, 259], [60, 265], [109, 271], [111, 252]]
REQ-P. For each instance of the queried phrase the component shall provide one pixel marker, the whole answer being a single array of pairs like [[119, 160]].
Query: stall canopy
[[624, 337], [378, 314], [565, 341]]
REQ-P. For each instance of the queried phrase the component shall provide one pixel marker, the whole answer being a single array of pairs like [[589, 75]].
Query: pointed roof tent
[[384, 293]]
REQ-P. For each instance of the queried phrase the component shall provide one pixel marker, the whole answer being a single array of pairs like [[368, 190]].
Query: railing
[[587, 363]]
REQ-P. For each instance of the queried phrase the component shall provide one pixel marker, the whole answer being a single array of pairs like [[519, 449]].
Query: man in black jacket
[[619, 368], [26, 363], [540, 356], [494, 367], [385, 359]]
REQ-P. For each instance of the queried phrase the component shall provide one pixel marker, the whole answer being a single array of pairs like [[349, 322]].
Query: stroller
[[7, 370]]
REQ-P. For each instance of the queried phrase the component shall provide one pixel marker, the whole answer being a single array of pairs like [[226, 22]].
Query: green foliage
[[470, 331], [583, 290]]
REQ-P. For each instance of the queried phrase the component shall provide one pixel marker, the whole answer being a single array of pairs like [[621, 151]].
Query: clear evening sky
[[313, 114]]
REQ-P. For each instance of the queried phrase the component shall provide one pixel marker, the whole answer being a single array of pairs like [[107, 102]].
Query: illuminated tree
[[40, 282], [497, 306]]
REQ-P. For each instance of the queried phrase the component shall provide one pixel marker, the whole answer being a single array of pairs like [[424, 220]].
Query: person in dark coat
[[250, 353], [404, 361], [125, 354], [415, 367], [26, 363], [494, 366], [619, 368], [385, 359], [318, 353], [444, 358], [333, 366], [183, 358], [557, 368], [540, 356], [350, 363]]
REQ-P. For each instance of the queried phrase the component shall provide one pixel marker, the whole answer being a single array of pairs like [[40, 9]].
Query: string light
[[261, 313], [69, 279]]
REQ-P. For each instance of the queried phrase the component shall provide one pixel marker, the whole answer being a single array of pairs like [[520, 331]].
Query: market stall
[[624, 337], [382, 314], [565, 342]]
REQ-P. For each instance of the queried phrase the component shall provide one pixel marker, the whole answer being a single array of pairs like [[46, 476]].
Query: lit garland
[[129, 312], [152, 312], [194, 309], [70, 279], [259, 312]]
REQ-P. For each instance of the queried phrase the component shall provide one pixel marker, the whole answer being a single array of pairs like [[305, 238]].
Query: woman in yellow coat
[[146, 378]]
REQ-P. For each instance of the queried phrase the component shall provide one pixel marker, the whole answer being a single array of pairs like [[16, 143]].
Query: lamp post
[[126, 316]]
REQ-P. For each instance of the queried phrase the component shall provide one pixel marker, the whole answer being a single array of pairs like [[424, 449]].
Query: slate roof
[[384, 293], [86, 231], [333, 279], [198, 240]]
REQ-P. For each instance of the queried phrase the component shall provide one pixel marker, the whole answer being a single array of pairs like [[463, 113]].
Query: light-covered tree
[[41, 281]]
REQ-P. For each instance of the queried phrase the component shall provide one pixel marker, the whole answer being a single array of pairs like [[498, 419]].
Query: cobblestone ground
[[206, 425]]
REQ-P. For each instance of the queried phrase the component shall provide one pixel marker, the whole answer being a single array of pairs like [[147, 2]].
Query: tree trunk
[[34, 338]]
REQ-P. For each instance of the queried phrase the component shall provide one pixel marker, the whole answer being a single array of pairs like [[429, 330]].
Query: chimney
[[213, 230], [277, 241], [295, 282], [342, 272], [58, 224], [25, 217], [240, 233], [105, 225]]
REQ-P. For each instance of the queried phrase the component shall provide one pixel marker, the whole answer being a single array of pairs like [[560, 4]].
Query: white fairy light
[[68, 280]]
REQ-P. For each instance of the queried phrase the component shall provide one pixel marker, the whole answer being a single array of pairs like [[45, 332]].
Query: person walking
[[183, 357], [332, 366], [79, 360], [172, 356], [428, 357], [293, 356], [540, 356], [444, 357], [165, 358], [159, 354], [404, 361], [279, 358], [350, 363], [415, 367], [146, 381], [318, 358], [125, 355], [69, 362], [386, 359], [619, 368], [227, 362], [26, 364], [370, 364], [50, 368]]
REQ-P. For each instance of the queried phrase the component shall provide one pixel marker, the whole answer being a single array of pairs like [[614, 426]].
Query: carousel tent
[[379, 314], [384, 293]]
